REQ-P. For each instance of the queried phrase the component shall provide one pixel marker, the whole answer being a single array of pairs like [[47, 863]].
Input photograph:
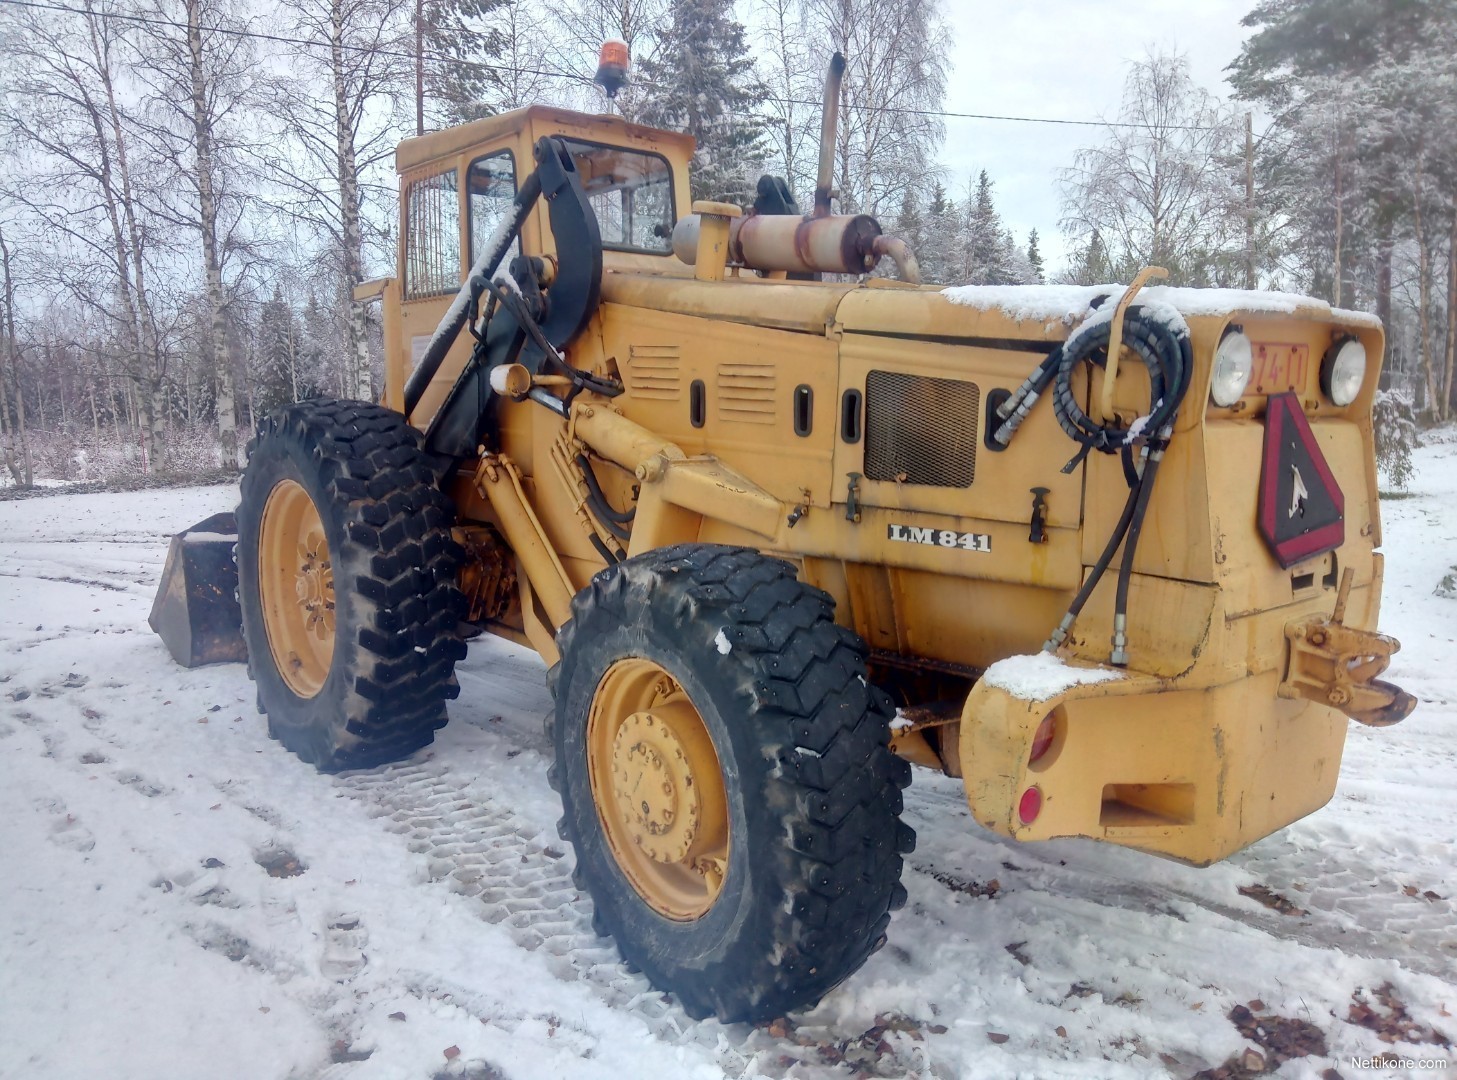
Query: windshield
[[631, 193]]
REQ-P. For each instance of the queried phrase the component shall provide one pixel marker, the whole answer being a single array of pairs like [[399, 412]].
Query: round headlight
[[1233, 362], [1344, 371]]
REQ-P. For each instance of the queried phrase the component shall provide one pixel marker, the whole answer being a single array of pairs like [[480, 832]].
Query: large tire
[[812, 792], [372, 661]]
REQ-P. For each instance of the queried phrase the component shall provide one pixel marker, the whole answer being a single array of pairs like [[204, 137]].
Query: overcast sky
[[1064, 59]]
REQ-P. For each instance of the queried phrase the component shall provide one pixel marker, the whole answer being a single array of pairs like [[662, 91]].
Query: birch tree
[[23, 471], [518, 78], [1159, 187], [786, 70], [895, 80], [198, 67], [337, 129], [581, 26], [76, 179]]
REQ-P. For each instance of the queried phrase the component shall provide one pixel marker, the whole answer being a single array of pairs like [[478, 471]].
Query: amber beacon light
[[612, 65]]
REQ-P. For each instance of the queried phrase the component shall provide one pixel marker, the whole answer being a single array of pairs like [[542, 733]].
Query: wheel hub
[[652, 780], [296, 588], [659, 789], [314, 584]]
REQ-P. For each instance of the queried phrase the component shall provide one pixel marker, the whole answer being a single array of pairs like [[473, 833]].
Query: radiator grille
[[920, 430], [745, 392], [652, 372]]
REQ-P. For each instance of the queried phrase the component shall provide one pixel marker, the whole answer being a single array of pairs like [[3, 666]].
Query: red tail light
[[1042, 741], [1030, 805]]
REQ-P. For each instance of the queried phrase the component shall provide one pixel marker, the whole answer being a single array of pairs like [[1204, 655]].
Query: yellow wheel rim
[[296, 586], [658, 788]]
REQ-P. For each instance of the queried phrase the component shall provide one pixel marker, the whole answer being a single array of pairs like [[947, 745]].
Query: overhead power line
[[578, 77], [996, 116], [258, 35]]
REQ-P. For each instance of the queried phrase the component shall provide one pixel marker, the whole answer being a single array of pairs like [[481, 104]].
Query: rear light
[[1030, 805], [1042, 741]]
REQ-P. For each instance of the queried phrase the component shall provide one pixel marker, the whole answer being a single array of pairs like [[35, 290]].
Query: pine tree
[[320, 364], [1092, 266], [1034, 259], [280, 353], [1016, 268], [457, 46], [939, 243], [701, 81], [983, 245]]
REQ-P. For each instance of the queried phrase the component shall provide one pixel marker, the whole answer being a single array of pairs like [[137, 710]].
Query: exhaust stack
[[829, 122], [820, 243]]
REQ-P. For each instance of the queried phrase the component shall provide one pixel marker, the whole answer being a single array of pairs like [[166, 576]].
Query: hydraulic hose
[[1059, 635], [622, 517], [1154, 342], [614, 521], [1161, 341]]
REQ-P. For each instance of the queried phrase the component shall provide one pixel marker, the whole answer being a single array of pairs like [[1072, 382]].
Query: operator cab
[[457, 185], [635, 177]]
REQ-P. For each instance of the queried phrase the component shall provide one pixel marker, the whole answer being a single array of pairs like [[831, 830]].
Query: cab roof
[[438, 145]]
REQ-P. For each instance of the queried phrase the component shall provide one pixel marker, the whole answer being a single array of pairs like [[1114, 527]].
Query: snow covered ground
[[179, 897]]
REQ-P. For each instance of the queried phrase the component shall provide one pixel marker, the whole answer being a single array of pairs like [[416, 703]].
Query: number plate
[[1279, 368]]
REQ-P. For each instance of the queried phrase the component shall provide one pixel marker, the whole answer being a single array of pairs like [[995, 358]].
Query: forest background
[[192, 188]]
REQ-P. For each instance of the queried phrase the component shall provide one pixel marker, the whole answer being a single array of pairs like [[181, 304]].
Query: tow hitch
[[1333, 664]]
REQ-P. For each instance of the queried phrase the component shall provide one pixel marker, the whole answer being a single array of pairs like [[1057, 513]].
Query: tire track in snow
[[1352, 906], [482, 850]]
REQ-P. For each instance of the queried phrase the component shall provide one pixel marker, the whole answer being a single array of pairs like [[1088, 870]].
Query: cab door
[[447, 214]]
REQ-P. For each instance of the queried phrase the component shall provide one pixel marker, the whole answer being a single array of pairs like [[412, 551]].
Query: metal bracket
[[1336, 665], [1037, 530], [800, 510], [852, 499], [1115, 334]]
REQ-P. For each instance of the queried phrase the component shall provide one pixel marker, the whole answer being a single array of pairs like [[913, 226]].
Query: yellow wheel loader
[[779, 527]]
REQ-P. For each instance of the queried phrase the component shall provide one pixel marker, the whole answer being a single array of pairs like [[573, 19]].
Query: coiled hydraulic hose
[[1160, 339]]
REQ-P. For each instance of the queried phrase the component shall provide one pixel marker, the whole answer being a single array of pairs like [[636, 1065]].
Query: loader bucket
[[196, 611]]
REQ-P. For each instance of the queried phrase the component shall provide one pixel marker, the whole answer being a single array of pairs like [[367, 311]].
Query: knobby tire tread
[[397, 558], [829, 774]]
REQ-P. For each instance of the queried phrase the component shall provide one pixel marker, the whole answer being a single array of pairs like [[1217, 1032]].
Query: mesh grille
[[432, 237], [920, 430]]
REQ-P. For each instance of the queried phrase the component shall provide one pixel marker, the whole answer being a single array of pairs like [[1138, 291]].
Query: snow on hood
[[1032, 303], [1068, 304], [1157, 307], [1042, 675]]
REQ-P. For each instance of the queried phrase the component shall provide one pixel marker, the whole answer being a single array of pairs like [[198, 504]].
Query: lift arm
[[561, 311]]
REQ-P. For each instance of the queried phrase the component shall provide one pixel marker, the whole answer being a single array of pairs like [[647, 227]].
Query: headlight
[[1343, 371], [1233, 362]]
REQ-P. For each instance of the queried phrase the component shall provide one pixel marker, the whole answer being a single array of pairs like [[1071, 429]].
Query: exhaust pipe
[[820, 243], [829, 122]]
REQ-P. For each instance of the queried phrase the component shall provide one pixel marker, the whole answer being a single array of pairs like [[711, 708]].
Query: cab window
[[432, 236], [491, 188], [631, 193]]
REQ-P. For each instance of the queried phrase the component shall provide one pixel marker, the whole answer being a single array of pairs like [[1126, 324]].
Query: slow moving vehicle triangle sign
[[1302, 509]]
